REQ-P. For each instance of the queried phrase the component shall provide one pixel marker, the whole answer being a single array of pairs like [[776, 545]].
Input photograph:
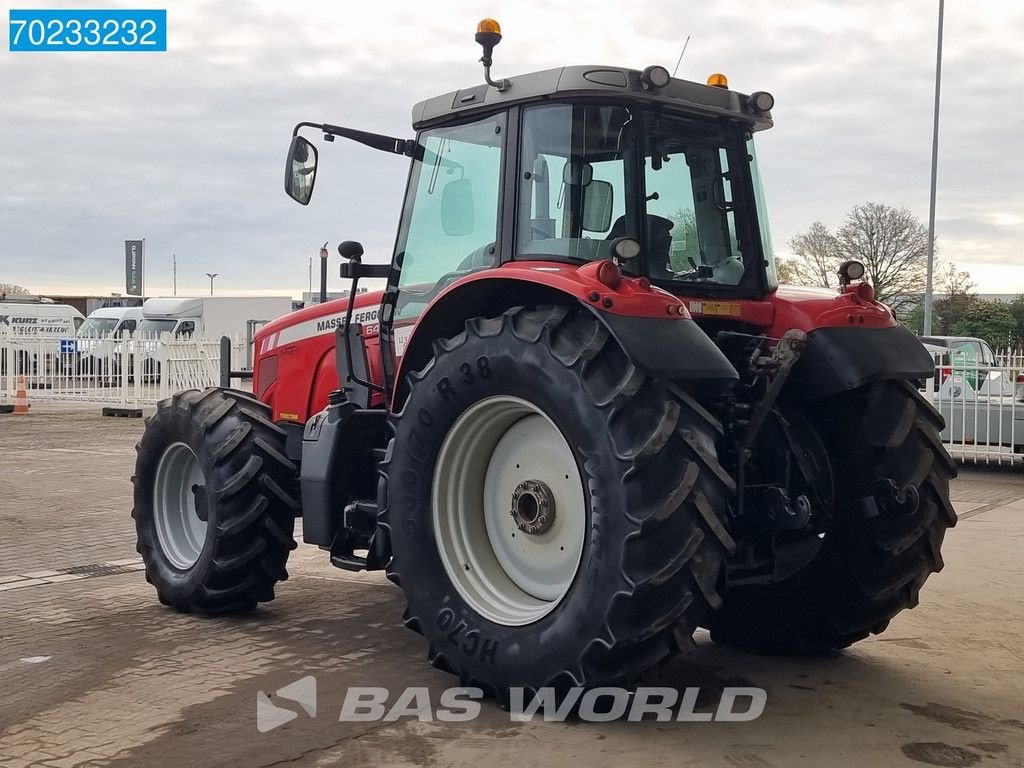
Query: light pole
[[928, 288], [211, 275]]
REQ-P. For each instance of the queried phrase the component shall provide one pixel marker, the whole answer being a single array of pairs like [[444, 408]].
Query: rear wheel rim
[[509, 510], [179, 529]]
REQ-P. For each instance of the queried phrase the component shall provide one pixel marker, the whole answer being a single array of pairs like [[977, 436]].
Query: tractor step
[[360, 522], [349, 562]]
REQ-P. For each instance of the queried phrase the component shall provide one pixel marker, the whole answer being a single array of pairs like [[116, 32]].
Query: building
[[86, 304]]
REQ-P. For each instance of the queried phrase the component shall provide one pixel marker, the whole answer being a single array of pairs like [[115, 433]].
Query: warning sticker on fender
[[722, 308], [401, 337]]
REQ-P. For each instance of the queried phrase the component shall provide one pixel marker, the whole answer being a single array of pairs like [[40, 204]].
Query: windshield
[[690, 206], [155, 327], [97, 326]]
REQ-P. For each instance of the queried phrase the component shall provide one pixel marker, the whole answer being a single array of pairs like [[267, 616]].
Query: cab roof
[[594, 81]]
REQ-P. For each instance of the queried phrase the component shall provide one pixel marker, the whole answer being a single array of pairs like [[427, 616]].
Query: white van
[[110, 321], [38, 317], [33, 329], [97, 348]]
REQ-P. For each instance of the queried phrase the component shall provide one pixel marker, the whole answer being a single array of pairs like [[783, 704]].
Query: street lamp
[[928, 289], [211, 275]]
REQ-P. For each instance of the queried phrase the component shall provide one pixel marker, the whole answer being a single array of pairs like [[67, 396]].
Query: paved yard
[[93, 671]]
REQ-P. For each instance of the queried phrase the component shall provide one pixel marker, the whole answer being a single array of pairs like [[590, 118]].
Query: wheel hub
[[180, 507], [533, 507]]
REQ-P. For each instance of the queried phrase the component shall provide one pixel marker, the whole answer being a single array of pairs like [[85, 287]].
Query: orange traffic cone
[[21, 397]]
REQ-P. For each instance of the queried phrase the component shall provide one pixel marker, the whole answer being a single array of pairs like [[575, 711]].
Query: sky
[[186, 148]]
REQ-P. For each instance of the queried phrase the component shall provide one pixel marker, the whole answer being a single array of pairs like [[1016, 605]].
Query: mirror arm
[[374, 140]]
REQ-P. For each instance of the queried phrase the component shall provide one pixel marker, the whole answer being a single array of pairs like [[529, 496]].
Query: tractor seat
[[659, 242]]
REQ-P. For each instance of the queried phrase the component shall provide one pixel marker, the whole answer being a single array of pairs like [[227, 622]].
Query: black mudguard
[[666, 348], [844, 358]]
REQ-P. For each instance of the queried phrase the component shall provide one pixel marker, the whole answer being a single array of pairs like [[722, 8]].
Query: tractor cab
[[571, 166]]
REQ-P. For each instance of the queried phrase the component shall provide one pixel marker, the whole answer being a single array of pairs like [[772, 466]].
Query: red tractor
[[583, 419]]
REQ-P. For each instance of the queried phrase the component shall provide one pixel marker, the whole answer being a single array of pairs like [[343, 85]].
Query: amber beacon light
[[488, 35]]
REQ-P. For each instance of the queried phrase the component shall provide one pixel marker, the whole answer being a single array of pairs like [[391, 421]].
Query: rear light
[[608, 273], [866, 291], [266, 374], [946, 373]]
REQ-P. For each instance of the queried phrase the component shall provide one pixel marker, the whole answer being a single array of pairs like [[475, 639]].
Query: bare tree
[[955, 282], [12, 289], [891, 242], [815, 258]]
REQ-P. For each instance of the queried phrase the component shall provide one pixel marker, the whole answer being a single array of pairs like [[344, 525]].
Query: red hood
[[333, 307]]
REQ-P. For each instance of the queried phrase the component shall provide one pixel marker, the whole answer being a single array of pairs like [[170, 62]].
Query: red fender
[[492, 291]]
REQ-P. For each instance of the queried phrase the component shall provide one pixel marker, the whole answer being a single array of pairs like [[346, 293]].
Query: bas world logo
[[270, 716], [734, 704]]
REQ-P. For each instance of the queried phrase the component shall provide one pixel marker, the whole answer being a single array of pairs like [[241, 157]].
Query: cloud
[[187, 148]]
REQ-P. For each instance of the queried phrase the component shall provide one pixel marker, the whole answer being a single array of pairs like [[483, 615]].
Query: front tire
[[621, 545], [891, 476], [215, 502]]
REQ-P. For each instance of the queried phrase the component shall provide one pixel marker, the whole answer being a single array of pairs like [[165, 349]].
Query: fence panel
[[983, 405], [106, 370]]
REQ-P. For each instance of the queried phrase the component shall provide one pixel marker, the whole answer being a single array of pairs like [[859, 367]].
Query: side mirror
[[578, 173], [300, 170], [598, 200], [458, 215]]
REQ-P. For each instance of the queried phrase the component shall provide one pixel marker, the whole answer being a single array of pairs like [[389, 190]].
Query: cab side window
[[450, 224], [186, 328]]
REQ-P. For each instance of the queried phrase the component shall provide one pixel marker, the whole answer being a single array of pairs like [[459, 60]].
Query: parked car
[[967, 354]]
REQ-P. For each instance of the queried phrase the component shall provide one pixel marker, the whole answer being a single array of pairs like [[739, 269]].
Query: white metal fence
[[983, 405], [126, 372]]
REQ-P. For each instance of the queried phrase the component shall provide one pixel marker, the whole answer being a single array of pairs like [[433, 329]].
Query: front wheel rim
[[179, 529], [509, 510]]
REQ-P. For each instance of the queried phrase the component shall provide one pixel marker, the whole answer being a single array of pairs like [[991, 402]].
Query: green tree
[[914, 319], [1017, 310], [989, 320], [957, 301]]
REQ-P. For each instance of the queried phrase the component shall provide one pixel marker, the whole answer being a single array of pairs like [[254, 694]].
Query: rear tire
[[651, 540], [215, 502], [880, 551]]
